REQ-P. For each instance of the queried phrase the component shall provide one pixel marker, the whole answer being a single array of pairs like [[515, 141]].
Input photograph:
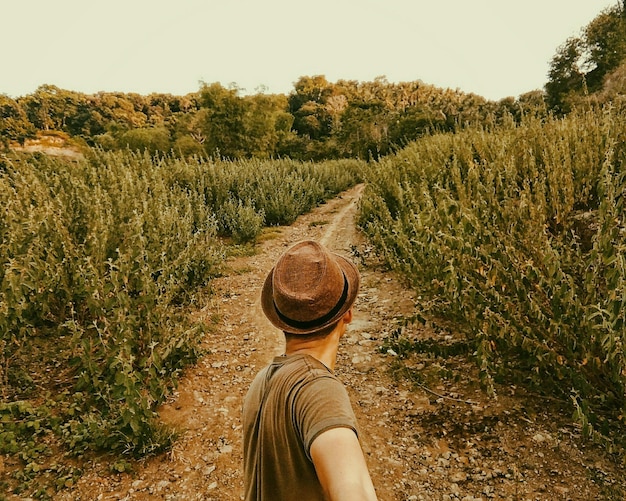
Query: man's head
[[309, 289]]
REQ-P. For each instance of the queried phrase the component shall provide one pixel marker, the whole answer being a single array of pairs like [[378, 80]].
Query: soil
[[49, 145], [428, 430]]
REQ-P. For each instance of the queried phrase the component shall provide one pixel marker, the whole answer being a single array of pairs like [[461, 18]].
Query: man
[[300, 433]]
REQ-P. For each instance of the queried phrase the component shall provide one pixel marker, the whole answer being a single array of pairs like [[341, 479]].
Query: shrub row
[[518, 236], [100, 262]]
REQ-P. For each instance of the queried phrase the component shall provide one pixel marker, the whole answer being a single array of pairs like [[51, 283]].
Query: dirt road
[[440, 440]]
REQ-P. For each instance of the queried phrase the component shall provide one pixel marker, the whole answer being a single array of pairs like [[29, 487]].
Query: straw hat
[[309, 288]]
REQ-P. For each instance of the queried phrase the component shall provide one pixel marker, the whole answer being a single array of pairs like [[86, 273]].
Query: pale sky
[[493, 48]]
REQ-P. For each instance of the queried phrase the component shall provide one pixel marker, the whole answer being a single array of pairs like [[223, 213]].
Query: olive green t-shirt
[[290, 403]]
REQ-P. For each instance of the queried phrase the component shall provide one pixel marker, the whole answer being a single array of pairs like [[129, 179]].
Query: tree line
[[318, 119]]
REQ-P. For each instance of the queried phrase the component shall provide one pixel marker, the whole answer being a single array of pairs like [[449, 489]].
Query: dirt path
[[441, 440]]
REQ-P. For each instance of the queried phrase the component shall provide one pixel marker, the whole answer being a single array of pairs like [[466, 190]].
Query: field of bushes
[[515, 237], [102, 259]]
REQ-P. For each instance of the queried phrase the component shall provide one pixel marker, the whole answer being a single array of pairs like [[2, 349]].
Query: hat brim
[[352, 277]]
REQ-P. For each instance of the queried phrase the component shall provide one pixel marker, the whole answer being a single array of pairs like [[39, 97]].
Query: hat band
[[318, 321]]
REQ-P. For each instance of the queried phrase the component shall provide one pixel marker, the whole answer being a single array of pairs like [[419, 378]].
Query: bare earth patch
[[441, 439], [50, 145]]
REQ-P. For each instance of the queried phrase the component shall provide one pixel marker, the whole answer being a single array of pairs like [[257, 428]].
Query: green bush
[[243, 222], [97, 259], [152, 139], [280, 190], [518, 236]]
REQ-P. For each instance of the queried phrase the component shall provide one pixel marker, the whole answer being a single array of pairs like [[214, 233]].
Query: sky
[[493, 48]]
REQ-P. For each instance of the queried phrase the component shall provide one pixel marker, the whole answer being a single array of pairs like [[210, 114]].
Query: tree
[[266, 124], [605, 46], [235, 126], [581, 64], [314, 89], [308, 103], [186, 146], [119, 110], [223, 113], [532, 104], [87, 121], [45, 107], [415, 121], [14, 123], [565, 75], [365, 131], [151, 139]]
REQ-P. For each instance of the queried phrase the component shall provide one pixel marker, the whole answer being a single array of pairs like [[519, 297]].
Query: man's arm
[[341, 467]]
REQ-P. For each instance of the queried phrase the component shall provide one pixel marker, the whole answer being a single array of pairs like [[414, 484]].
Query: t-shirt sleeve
[[321, 405]]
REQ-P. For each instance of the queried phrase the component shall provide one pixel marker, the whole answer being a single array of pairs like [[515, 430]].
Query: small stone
[[226, 449], [162, 485], [458, 477], [539, 438]]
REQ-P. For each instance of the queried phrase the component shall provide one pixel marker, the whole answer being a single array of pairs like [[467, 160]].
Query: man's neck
[[324, 350], [326, 355]]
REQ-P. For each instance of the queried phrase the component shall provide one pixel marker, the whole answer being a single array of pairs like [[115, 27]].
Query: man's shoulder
[[301, 365]]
